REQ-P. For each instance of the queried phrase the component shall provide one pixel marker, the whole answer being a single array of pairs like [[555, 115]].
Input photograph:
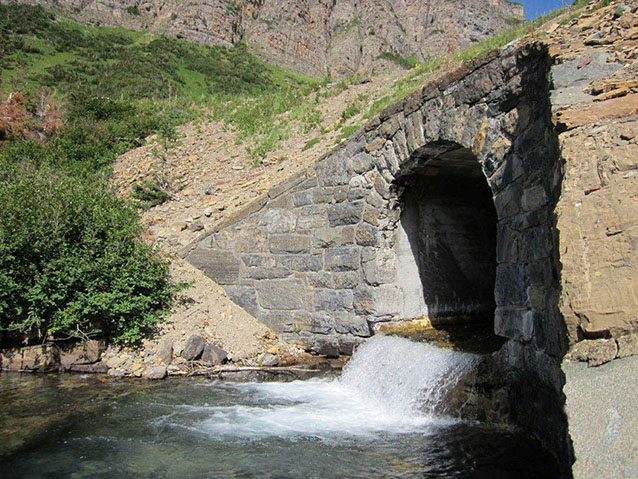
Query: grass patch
[[403, 62], [310, 143]]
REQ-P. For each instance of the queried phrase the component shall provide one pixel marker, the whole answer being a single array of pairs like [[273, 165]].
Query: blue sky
[[534, 8]]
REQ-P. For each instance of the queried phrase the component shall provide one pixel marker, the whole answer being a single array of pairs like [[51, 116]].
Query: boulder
[[594, 351], [88, 352], [269, 360], [213, 355], [116, 373], [155, 372], [194, 348], [165, 352]]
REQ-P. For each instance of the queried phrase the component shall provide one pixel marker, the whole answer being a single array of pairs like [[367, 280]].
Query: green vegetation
[[72, 264], [347, 131], [133, 10], [422, 71], [150, 193], [403, 62], [310, 143]]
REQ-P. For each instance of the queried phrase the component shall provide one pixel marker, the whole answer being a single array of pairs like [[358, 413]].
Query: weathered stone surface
[[246, 296], [213, 355], [165, 352], [83, 353], [594, 351], [333, 300], [352, 324], [194, 348], [627, 345], [268, 360], [220, 266], [155, 372], [279, 221], [285, 294], [345, 214], [342, 259], [289, 243]]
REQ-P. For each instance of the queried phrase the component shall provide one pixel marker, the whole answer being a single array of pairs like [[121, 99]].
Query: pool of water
[[376, 420]]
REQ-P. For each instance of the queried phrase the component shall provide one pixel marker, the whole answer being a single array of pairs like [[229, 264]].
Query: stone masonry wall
[[315, 259]]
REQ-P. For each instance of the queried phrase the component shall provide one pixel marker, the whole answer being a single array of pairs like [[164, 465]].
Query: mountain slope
[[322, 38]]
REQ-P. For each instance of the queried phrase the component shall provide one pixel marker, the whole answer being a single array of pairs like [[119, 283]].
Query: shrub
[[150, 194], [133, 10], [71, 262]]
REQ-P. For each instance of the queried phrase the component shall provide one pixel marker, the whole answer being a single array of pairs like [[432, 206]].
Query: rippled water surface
[[374, 421]]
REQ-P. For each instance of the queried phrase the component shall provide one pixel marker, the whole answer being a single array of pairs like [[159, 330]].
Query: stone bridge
[[441, 207]]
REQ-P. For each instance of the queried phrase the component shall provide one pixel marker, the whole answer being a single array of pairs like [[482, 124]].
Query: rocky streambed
[[380, 418]]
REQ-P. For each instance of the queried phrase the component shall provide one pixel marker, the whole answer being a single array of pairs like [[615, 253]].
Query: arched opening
[[446, 241]]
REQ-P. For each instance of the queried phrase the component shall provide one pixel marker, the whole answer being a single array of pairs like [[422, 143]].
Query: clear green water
[[362, 425]]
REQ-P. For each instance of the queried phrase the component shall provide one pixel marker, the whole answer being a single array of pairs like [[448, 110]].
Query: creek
[[380, 418]]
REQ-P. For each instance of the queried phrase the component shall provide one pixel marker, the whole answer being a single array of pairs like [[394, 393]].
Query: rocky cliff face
[[322, 37]]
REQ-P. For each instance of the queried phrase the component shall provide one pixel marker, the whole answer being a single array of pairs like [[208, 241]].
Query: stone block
[[81, 353], [375, 200], [328, 346], [510, 286], [266, 273], [311, 217], [244, 296], [289, 243], [279, 221], [164, 352], [333, 300], [282, 294], [362, 163], [280, 321], [515, 324], [329, 237], [379, 266], [378, 302], [356, 194], [345, 214], [258, 260], [341, 259], [367, 235], [352, 324], [221, 266], [348, 344], [300, 262], [302, 198], [322, 323], [507, 203], [334, 171]]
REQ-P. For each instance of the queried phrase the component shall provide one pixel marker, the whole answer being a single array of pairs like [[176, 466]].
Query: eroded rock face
[[317, 37]]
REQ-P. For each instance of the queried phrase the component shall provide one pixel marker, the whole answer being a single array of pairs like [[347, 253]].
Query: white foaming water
[[390, 385]]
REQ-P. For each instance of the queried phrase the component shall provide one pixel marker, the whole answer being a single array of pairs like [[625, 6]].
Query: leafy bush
[[133, 10], [71, 262], [150, 194], [403, 62]]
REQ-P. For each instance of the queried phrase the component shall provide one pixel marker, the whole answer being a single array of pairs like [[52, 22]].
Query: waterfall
[[390, 385]]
